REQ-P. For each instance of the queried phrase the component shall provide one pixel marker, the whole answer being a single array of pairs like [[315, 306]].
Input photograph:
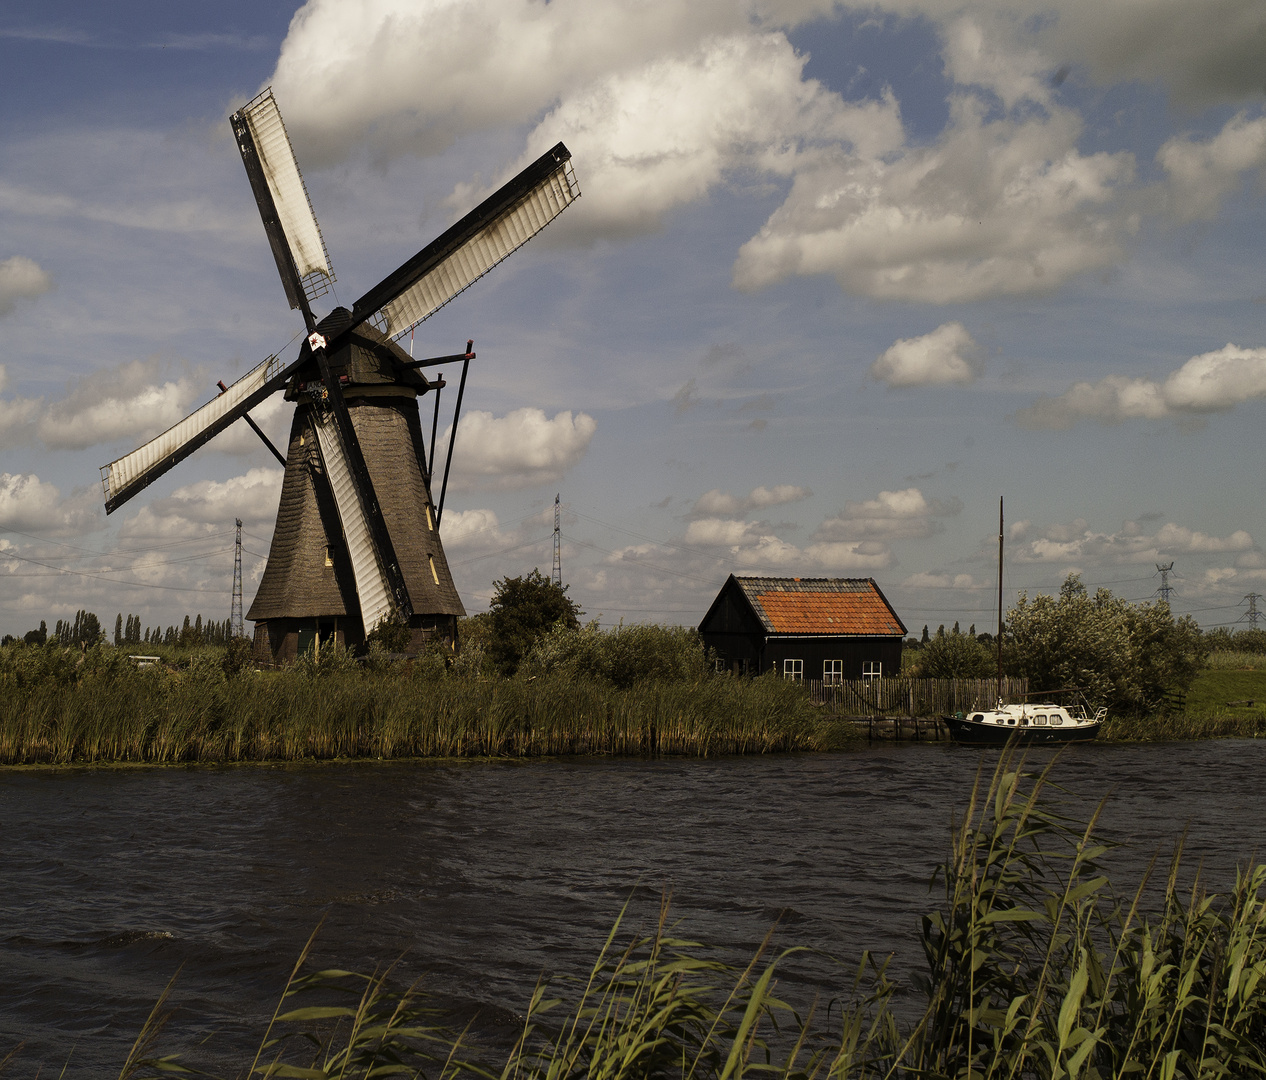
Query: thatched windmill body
[[357, 538]]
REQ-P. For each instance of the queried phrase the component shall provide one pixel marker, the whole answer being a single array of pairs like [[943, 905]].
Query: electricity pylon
[[558, 544], [235, 608]]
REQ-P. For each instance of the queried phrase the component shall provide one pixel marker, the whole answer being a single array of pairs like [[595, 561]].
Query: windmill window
[[434, 573], [329, 556], [430, 521]]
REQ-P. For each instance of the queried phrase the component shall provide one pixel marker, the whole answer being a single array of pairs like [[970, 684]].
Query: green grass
[[1034, 968], [1233, 660], [1217, 706], [104, 710]]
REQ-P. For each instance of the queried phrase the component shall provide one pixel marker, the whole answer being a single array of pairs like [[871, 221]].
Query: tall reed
[[116, 713], [1034, 969]]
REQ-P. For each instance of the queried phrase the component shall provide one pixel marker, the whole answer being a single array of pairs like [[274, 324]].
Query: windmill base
[[279, 642]]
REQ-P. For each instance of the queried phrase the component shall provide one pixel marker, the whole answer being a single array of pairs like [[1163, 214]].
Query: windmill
[[357, 537]]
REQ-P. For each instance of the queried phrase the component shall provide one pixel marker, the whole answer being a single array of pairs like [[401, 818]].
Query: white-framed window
[[832, 672], [720, 666], [872, 669], [793, 669]]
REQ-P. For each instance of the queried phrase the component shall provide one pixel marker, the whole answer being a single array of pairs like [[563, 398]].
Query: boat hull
[[973, 733]]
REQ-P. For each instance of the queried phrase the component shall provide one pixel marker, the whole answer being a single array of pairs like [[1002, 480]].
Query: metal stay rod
[[452, 438], [437, 360], [257, 429], [435, 423]]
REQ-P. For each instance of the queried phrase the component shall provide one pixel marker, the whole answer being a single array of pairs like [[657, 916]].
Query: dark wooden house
[[804, 628]]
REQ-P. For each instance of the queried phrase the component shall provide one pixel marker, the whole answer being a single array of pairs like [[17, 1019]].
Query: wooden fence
[[912, 697]]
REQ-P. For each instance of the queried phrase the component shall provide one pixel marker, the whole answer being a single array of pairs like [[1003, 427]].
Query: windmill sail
[[283, 200], [131, 473], [372, 589], [495, 229]]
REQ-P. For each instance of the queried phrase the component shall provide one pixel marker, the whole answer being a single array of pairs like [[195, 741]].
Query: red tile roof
[[821, 606]]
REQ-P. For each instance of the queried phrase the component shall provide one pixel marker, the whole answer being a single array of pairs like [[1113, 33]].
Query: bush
[[237, 656], [623, 656], [1126, 656]]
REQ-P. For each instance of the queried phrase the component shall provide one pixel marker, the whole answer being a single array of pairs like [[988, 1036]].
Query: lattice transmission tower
[[558, 543], [1252, 612], [235, 608], [1165, 587]]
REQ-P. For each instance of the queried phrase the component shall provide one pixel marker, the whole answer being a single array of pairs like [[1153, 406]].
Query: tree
[[954, 656], [37, 637], [924, 639], [118, 629], [1126, 656], [523, 610]]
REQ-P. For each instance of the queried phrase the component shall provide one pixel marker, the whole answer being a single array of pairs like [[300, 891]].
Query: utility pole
[[1252, 599], [1165, 587], [235, 608], [558, 544]]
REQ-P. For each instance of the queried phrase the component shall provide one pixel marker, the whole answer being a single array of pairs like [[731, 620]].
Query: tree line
[[85, 630]]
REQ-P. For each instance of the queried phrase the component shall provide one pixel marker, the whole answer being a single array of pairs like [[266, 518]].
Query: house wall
[[815, 651]]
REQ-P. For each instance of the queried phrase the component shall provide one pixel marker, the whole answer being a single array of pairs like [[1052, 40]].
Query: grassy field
[[1035, 969]]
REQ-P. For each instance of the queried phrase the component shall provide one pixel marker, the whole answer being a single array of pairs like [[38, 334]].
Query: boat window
[[1011, 720], [1024, 721], [1056, 719], [978, 718], [1039, 720]]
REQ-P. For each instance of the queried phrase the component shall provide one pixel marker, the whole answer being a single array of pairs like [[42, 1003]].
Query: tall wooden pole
[[999, 641]]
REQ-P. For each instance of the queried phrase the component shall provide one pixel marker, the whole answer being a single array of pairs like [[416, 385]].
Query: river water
[[487, 874]]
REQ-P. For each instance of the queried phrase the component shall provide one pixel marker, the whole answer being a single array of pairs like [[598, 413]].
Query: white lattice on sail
[[290, 194], [119, 474], [371, 583], [500, 238]]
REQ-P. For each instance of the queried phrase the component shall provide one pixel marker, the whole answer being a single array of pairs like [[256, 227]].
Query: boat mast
[[999, 639]]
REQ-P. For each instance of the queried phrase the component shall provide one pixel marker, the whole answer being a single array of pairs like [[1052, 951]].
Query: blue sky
[[841, 276]]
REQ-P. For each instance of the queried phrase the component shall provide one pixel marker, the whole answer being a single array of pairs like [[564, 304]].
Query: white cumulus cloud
[[126, 402], [718, 503], [209, 506], [29, 504], [523, 447], [17, 415], [891, 515], [995, 207], [949, 354], [1202, 172], [21, 279], [1211, 382], [1077, 544]]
